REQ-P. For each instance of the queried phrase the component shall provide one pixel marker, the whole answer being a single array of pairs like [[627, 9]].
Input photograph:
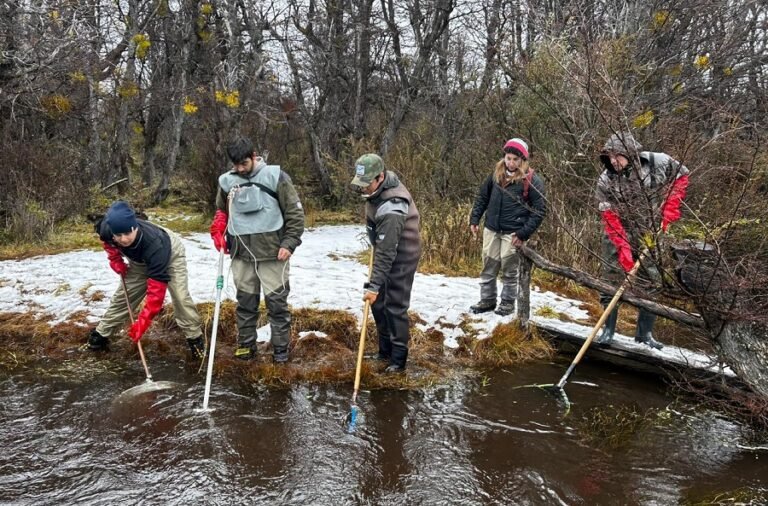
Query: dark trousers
[[390, 311]]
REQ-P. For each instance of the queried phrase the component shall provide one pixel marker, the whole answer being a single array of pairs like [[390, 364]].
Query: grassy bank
[[323, 348]]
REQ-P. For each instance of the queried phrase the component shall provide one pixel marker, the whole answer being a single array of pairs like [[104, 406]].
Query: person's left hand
[[516, 241], [370, 296], [283, 254], [138, 329]]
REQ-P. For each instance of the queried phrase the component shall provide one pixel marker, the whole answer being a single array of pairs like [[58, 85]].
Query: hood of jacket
[[624, 144]]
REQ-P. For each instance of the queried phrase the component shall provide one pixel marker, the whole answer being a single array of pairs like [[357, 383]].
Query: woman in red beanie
[[512, 199]]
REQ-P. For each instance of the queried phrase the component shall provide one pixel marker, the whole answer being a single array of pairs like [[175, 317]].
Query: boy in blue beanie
[[156, 263]]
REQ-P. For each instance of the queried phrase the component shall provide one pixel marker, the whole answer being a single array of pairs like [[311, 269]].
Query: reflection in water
[[474, 442]]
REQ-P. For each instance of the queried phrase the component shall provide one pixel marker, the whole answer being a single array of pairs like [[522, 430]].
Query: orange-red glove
[[615, 232], [670, 210], [115, 259], [152, 305], [218, 229]]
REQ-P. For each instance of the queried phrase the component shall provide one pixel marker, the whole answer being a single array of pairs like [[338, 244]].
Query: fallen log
[[589, 281]]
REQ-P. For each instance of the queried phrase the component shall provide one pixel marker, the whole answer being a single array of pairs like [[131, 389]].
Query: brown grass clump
[[327, 354], [510, 344]]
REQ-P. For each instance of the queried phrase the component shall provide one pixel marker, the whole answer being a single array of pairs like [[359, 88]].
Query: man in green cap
[[392, 222]]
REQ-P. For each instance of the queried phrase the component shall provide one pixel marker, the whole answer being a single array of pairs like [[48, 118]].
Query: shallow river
[[477, 441]]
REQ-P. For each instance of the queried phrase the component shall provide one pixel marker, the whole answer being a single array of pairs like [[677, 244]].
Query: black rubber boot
[[196, 347], [280, 355], [609, 329], [378, 356], [483, 306], [644, 333], [397, 360], [97, 342], [505, 308], [245, 352]]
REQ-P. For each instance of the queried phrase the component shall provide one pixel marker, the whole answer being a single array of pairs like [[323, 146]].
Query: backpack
[[527, 185]]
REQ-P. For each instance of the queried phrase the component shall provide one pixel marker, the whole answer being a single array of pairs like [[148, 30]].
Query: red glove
[[115, 259], [218, 228], [670, 210], [615, 232], [152, 305]]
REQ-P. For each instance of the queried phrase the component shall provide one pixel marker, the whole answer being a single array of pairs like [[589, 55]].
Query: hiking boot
[[378, 356], [609, 329], [96, 342], [505, 308], [245, 353], [483, 306], [394, 369], [644, 333], [280, 355], [197, 347]]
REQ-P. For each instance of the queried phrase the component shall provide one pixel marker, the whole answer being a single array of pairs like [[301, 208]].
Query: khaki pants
[[251, 278], [184, 309], [499, 255]]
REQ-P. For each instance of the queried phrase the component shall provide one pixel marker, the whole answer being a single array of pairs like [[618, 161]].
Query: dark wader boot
[[279, 322], [644, 333], [247, 316], [609, 328]]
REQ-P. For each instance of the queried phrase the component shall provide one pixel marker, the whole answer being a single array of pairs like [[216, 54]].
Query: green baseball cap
[[367, 167]]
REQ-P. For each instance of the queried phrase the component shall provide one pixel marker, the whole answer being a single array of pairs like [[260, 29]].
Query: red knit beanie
[[518, 147]]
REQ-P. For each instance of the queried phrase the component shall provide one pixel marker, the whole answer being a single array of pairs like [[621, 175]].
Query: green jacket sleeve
[[221, 200], [293, 213]]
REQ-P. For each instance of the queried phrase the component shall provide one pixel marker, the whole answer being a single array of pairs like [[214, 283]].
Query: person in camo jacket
[[392, 223], [638, 192], [512, 199], [156, 264]]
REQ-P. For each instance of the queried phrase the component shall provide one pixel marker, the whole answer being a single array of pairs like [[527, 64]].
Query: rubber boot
[[246, 348], [505, 308], [378, 356], [644, 333], [483, 306], [385, 349], [609, 328], [96, 342], [397, 361], [280, 355], [196, 347]]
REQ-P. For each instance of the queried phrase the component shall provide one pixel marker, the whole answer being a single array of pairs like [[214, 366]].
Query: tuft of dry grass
[[510, 344]]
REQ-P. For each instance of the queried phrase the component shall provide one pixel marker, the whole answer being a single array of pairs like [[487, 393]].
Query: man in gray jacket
[[260, 218], [392, 221]]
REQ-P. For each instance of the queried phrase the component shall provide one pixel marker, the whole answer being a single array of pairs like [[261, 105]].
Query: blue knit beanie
[[121, 218]]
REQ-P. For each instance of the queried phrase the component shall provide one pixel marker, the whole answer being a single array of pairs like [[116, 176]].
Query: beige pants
[[184, 310], [499, 256]]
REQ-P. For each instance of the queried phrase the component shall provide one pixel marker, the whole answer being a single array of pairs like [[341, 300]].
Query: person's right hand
[[625, 259], [218, 228], [474, 229], [119, 266], [116, 261]]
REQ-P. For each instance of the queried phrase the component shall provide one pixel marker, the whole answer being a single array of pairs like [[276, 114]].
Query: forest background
[[136, 99]]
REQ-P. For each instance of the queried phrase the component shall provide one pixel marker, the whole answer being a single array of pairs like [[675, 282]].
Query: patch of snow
[[324, 274]]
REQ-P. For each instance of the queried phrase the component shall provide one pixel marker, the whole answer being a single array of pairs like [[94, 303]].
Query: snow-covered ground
[[324, 274]]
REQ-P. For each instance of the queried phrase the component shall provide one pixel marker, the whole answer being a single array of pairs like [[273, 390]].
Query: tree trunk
[[524, 291]]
